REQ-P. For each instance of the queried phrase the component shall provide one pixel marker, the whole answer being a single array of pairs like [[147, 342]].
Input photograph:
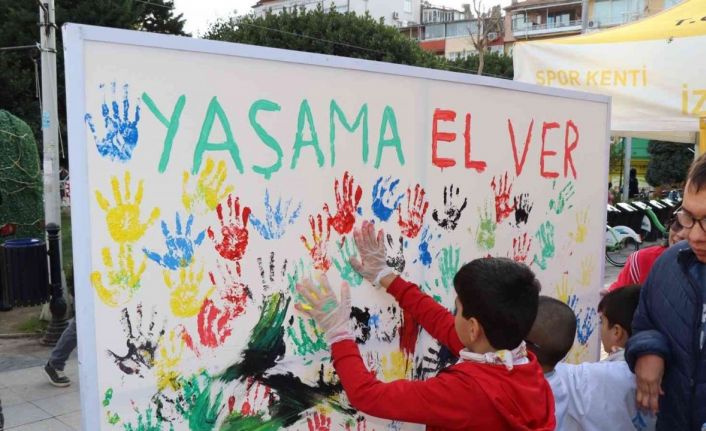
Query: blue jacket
[[668, 323]]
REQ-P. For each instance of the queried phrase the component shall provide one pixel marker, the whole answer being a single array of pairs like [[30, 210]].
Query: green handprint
[[346, 251], [430, 290], [449, 265], [545, 235], [304, 343], [485, 238], [148, 422], [301, 271], [560, 203]]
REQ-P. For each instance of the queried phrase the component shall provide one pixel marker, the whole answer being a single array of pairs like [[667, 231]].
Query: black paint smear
[[361, 324], [523, 208], [266, 345], [451, 212], [141, 345]]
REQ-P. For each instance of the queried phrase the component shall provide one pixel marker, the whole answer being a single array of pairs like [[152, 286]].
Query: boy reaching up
[[496, 385]]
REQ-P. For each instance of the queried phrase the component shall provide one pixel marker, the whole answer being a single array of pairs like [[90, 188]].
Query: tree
[[20, 179], [326, 32], [497, 65], [18, 82], [669, 163], [488, 25]]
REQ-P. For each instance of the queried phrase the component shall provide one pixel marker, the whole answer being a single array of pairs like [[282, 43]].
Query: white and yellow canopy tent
[[654, 69]]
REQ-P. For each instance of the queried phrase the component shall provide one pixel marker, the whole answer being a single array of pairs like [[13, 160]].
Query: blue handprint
[[384, 199], [120, 133], [424, 254], [585, 326], [276, 218], [180, 246]]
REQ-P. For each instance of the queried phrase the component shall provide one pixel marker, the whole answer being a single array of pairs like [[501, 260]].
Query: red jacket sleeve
[[627, 274], [441, 401], [434, 318]]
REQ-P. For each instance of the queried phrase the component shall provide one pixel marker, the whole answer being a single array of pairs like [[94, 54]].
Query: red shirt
[[637, 267], [465, 396]]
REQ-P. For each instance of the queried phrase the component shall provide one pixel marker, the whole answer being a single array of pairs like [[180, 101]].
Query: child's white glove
[[373, 254], [322, 305]]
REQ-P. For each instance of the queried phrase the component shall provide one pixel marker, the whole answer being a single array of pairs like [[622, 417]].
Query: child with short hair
[[496, 385], [591, 396]]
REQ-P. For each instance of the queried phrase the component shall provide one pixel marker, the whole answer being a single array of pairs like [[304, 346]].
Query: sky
[[199, 13]]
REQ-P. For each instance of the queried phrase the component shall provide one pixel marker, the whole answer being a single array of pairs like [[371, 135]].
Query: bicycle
[[621, 242]]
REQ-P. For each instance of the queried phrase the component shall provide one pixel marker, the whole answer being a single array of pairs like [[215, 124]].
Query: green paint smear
[[113, 418], [485, 238], [545, 235], [430, 290], [266, 343], [108, 397], [201, 410], [304, 343], [238, 422]]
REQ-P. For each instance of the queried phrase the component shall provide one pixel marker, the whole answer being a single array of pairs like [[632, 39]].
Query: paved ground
[[30, 403]]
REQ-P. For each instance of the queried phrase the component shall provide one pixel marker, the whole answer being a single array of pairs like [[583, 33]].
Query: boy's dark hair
[[619, 306], [553, 332], [697, 173], [502, 295]]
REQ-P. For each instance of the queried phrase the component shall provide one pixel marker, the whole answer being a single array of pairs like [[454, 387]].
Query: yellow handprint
[[122, 280], [170, 352], [588, 265], [186, 301], [209, 188], [563, 291], [395, 365], [123, 219], [581, 227]]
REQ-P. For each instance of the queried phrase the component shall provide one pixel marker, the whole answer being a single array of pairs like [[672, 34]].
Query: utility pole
[[50, 132]]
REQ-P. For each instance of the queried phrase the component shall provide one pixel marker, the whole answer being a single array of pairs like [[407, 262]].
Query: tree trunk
[[481, 61]]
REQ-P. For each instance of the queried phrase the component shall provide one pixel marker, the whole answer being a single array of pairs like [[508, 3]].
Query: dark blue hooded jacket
[[668, 323]]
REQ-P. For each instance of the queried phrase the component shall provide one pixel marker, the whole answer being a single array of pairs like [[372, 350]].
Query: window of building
[[519, 21], [434, 31], [612, 12], [670, 3], [408, 6]]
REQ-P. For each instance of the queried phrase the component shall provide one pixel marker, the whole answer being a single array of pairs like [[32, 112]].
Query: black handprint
[[523, 208], [271, 277], [451, 213], [395, 257], [141, 346], [433, 361]]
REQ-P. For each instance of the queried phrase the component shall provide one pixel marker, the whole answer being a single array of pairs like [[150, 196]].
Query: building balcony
[[530, 29]]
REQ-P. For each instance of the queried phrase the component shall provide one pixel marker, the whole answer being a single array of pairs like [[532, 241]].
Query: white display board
[[208, 177]]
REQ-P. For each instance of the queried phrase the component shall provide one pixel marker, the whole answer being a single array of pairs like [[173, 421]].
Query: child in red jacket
[[495, 386]]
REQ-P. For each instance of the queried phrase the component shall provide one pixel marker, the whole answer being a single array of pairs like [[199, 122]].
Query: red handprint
[[187, 339], [233, 231], [256, 401], [502, 188], [521, 247], [214, 319], [320, 422], [320, 235], [346, 205], [416, 209]]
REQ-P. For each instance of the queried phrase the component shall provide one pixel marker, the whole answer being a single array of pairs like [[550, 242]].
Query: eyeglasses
[[688, 221]]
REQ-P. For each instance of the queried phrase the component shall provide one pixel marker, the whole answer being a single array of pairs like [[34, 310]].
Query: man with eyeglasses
[[667, 352]]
